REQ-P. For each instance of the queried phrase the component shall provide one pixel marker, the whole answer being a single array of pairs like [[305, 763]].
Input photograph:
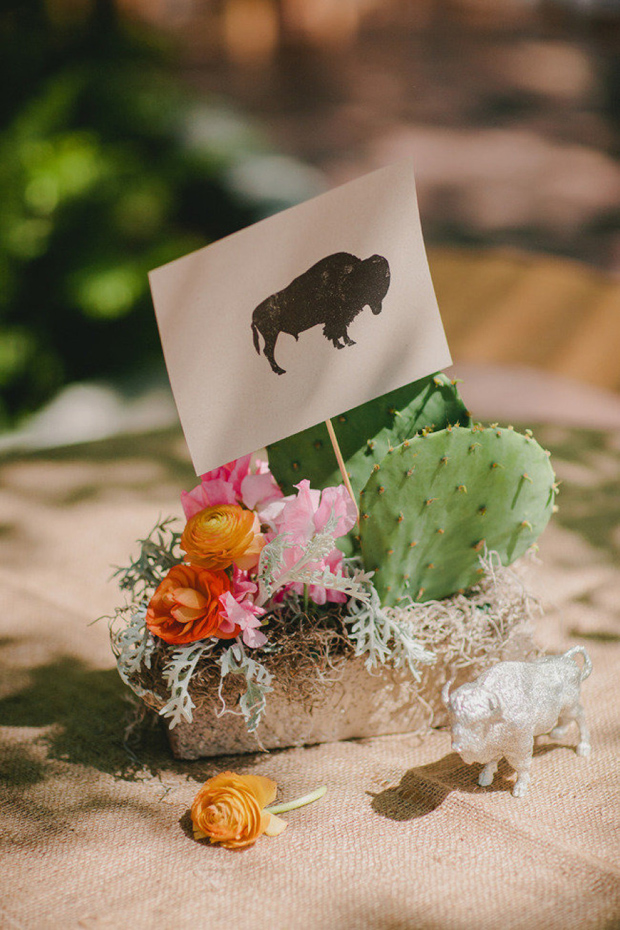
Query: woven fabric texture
[[96, 834]]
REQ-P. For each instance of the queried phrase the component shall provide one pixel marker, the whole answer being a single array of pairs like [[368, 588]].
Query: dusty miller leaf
[[304, 570], [270, 565], [178, 675], [383, 639], [235, 661], [132, 644]]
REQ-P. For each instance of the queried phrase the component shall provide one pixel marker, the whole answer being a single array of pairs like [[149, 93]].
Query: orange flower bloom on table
[[186, 606], [228, 810], [218, 537]]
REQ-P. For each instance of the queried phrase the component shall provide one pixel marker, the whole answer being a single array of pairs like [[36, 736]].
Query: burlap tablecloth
[[94, 837]]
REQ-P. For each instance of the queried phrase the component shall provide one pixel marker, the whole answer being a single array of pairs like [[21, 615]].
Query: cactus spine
[[437, 501]]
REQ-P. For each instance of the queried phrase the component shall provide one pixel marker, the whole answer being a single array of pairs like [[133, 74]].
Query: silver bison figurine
[[498, 715], [332, 292]]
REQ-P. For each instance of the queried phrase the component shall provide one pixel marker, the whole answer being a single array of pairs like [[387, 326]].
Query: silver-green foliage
[[159, 552], [178, 675], [235, 661], [274, 574], [383, 640], [132, 644]]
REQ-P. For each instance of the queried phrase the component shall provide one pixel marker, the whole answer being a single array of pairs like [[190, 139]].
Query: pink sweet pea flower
[[340, 502], [259, 489], [233, 483], [242, 587], [308, 513], [297, 516], [301, 517], [244, 614], [270, 514]]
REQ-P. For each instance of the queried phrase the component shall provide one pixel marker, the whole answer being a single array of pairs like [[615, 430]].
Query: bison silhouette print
[[332, 292]]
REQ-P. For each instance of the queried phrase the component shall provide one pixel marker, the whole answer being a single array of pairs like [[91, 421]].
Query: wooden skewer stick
[[341, 465]]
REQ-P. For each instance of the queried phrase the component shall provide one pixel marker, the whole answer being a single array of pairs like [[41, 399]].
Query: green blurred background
[[101, 179]]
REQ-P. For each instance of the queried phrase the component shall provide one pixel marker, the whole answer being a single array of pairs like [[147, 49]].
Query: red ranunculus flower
[[186, 606]]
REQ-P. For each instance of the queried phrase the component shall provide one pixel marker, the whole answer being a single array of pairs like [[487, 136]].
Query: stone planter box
[[356, 703], [467, 634], [352, 703]]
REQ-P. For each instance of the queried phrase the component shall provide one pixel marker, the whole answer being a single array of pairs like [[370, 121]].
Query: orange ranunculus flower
[[186, 606], [228, 809], [218, 536]]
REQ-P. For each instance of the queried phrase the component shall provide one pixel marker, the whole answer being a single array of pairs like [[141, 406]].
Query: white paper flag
[[299, 317]]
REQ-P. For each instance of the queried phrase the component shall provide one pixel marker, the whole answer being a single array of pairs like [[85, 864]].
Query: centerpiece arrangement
[[293, 609]]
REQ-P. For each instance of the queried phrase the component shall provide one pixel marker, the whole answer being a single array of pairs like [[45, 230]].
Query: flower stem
[[300, 802]]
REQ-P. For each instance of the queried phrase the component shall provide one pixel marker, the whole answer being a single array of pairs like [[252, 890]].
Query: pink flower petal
[[340, 502], [226, 624], [253, 638], [242, 586], [238, 470], [208, 494], [297, 517], [246, 615], [259, 490], [194, 501], [233, 483], [271, 513]]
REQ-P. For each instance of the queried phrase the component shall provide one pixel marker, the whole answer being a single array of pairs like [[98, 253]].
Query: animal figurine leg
[[523, 781], [521, 761], [561, 728], [575, 714], [583, 746], [488, 773]]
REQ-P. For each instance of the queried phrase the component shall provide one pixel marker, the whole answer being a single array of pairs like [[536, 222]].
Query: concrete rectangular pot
[[347, 703]]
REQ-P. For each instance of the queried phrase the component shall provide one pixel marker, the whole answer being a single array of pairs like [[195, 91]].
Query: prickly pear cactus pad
[[365, 434], [434, 503]]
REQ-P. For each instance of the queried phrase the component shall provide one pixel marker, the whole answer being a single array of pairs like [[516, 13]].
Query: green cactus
[[366, 433], [433, 504]]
